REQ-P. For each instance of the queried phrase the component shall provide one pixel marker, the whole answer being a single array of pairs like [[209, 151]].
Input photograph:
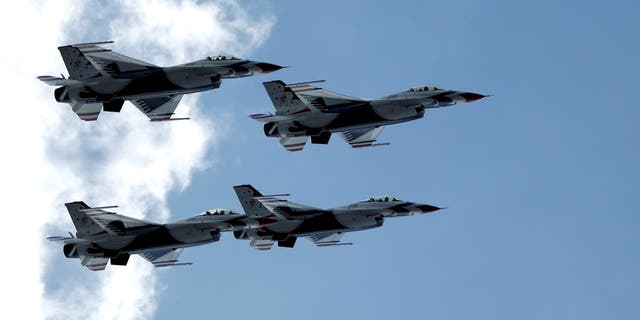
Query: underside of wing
[[164, 257], [158, 108], [365, 137], [328, 239]]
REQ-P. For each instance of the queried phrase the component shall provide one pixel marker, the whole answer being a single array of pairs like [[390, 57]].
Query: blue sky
[[540, 180]]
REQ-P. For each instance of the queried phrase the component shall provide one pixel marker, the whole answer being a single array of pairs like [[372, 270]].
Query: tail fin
[[251, 206], [284, 99], [79, 67], [85, 226]]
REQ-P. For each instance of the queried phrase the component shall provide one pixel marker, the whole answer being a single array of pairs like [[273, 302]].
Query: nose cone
[[268, 67], [470, 96], [425, 208]]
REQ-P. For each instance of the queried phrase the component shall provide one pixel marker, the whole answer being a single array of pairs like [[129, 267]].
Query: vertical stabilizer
[[79, 67], [284, 99], [85, 226], [251, 206]]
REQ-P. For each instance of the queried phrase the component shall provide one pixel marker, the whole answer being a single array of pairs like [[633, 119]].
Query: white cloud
[[178, 30], [51, 157]]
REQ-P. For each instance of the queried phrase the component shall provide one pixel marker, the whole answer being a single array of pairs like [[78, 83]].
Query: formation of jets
[[102, 80], [103, 236]]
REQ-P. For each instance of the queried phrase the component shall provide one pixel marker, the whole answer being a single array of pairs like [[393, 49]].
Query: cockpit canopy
[[222, 57], [382, 199], [217, 212], [423, 88]]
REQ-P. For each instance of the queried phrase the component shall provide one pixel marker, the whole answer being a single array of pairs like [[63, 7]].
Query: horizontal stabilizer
[[267, 117], [57, 81]]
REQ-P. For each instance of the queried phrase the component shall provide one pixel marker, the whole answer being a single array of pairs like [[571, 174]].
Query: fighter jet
[[100, 79], [103, 236], [304, 111], [324, 227]]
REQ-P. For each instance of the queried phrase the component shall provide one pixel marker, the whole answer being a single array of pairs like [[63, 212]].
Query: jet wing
[[164, 257], [328, 239], [294, 143], [289, 210], [365, 137], [89, 60], [159, 108]]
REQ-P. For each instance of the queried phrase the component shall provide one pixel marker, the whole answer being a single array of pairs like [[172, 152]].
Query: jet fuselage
[[182, 79], [359, 216], [304, 111], [102, 80], [366, 115]]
